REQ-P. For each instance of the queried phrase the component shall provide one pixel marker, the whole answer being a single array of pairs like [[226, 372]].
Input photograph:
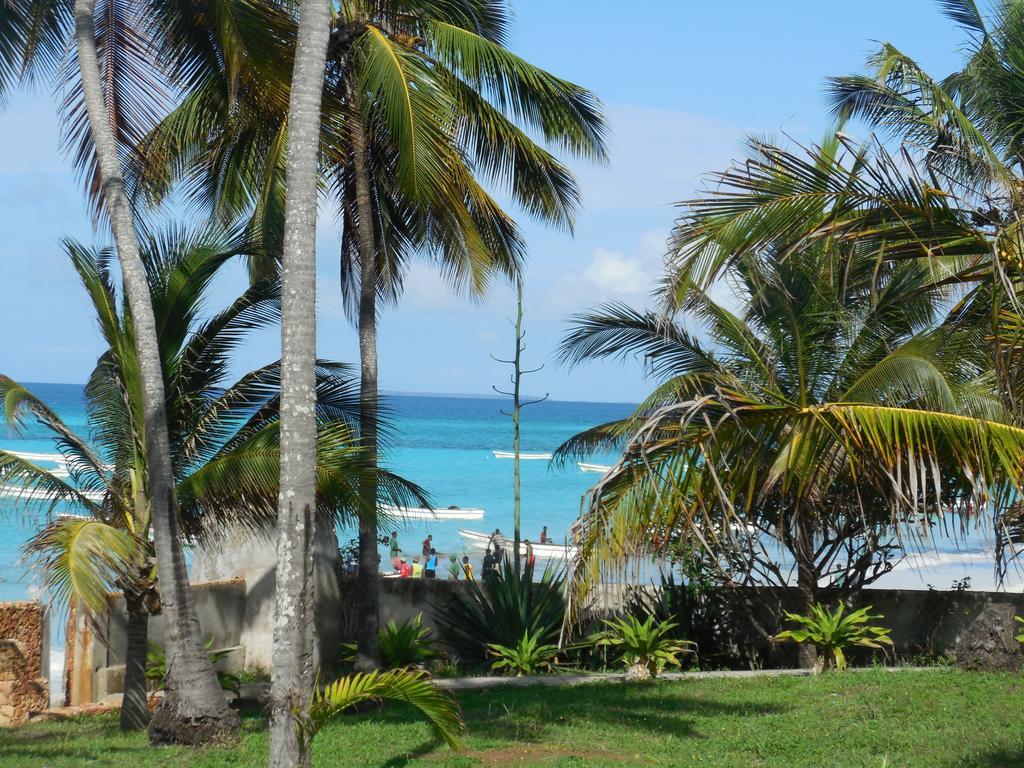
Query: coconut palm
[[423, 107], [292, 682], [224, 439], [119, 62], [792, 437]]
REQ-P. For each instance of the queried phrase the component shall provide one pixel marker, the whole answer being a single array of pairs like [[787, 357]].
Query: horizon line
[[407, 393]]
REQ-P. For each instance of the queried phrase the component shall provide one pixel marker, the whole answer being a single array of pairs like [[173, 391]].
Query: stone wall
[[24, 661]]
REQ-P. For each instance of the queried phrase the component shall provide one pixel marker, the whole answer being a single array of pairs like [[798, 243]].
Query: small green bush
[[832, 632], [527, 657]]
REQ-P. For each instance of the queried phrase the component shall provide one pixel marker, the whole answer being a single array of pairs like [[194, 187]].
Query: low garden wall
[[976, 629], [24, 660]]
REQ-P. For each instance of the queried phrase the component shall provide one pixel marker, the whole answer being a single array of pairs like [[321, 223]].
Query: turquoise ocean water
[[442, 443]]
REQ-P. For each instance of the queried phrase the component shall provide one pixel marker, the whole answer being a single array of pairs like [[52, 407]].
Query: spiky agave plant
[[833, 632], [528, 656], [646, 646]]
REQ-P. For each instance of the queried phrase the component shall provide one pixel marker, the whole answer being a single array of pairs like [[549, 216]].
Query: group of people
[[427, 569]]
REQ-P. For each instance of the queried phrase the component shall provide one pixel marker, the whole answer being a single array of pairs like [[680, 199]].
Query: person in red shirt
[[405, 570]]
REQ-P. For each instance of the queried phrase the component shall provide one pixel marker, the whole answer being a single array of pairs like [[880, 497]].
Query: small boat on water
[[49, 458], [428, 513], [20, 492], [522, 456], [604, 469], [481, 540]]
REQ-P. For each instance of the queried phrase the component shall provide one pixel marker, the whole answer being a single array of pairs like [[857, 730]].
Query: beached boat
[[602, 468], [522, 456], [481, 540], [428, 513], [20, 492]]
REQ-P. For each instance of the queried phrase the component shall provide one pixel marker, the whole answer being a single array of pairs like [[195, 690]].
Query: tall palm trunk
[[807, 583], [292, 683], [134, 707], [368, 650], [193, 709]]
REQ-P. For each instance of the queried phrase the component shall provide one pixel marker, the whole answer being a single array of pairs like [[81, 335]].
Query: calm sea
[[442, 443]]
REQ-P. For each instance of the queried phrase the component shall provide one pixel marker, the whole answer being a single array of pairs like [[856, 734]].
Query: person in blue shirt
[[430, 567]]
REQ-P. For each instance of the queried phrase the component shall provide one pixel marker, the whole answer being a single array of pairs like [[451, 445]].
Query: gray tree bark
[[807, 585], [292, 682], [368, 649], [193, 710], [134, 706]]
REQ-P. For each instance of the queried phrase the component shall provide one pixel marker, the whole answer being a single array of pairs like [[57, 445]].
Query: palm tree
[[292, 682], [223, 438], [423, 105], [126, 57], [802, 430]]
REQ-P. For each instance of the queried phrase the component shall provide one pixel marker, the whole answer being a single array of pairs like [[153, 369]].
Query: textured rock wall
[[23, 663]]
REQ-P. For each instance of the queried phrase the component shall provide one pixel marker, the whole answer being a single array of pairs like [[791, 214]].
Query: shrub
[[833, 632], [527, 657], [501, 609], [408, 644], [647, 646]]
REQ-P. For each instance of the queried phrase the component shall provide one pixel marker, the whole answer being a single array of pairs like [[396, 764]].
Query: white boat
[[522, 456], [604, 469], [49, 458], [481, 540], [20, 492], [428, 513]]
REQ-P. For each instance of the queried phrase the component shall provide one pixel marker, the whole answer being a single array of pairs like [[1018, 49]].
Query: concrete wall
[[238, 613]]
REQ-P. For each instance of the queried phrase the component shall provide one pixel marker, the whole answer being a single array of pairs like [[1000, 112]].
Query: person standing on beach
[[488, 563], [467, 568], [428, 544], [544, 535], [396, 551], [453, 567], [531, 559], [417, 568], [430, 567], [404, 570]]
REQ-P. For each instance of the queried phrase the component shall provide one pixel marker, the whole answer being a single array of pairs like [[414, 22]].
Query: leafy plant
[[527, 657], [832, 632], [647, 646], [405, 685], [500, 608], [408, 644], [1020, 620], [156, 666]]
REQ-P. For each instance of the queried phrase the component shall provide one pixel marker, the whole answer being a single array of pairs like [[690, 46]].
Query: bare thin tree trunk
[[291, 687], [368, 650], [517, 378], [134, 706], [193, 710]]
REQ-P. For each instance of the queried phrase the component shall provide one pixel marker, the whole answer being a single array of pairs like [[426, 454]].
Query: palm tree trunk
[[134, 706], [292, 683], [193, 709], [368, 650], [807, 584]]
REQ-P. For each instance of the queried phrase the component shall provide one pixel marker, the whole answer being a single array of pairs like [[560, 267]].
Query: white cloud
[[615, 273]]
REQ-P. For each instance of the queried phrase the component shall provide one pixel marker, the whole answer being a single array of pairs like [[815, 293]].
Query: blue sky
[[683, 83]]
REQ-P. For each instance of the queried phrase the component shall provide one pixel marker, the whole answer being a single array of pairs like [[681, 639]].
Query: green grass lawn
[[935, 718]]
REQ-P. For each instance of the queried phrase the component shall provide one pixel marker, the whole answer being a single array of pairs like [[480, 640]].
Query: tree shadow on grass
[[532, 715], [1003, 757]]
